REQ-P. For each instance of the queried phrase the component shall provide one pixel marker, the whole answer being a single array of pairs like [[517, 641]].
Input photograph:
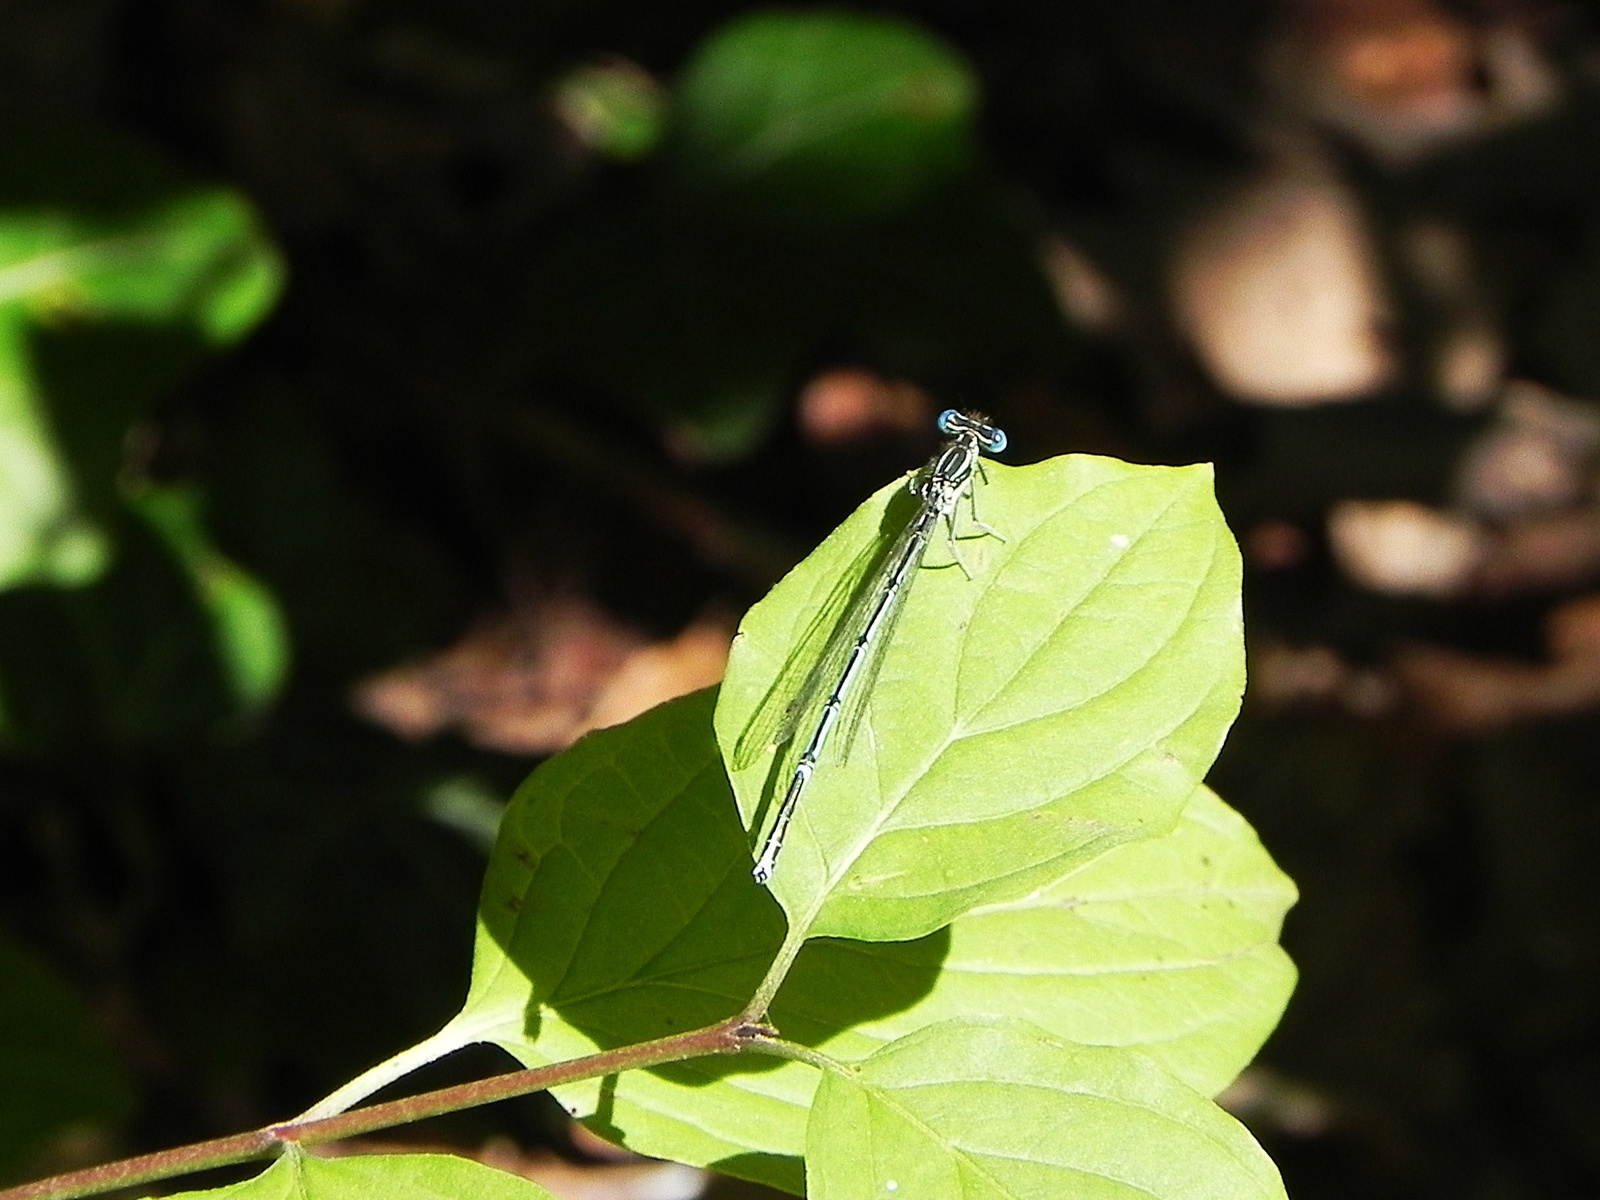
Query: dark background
[[564, 374]]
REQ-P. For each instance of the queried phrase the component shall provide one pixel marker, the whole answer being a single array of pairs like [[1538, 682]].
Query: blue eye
[[947, 420], [997, 443]]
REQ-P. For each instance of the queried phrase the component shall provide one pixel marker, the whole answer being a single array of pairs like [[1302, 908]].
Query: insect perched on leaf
[[849, 661]]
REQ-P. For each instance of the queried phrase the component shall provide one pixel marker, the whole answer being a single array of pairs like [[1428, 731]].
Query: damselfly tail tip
[[767, 863]]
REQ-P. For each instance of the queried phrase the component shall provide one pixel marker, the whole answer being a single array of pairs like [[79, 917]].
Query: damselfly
[[855, 646]]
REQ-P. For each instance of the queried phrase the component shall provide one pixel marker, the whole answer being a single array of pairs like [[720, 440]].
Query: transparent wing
[[819, 656], [859, 698], [774, 720]]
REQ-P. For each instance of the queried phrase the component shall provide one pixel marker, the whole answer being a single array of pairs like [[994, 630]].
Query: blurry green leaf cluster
[[115, 273], [118, 276], [121, 621]]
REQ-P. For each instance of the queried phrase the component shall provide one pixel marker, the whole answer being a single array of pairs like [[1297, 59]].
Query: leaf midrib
[[887, 811]]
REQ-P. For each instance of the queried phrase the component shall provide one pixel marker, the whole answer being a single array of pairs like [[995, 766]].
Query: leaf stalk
[[756, 1011]]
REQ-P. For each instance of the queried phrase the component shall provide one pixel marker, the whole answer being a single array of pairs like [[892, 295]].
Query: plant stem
[[381, 1076], [727, 1037], [778, 1048], [756, 1010]]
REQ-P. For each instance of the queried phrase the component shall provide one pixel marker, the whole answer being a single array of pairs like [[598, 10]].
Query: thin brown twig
[[727, 1037]]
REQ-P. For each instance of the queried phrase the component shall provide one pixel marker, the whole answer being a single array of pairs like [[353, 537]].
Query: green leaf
[[1064, 700], [197, 257], [248, 628], [618, 863], [113, 272], [56, 1069], [823, 116], [43, 536], [298, 1175], [1004, 1111], [1167, 946], [618, 900], [618, 907]]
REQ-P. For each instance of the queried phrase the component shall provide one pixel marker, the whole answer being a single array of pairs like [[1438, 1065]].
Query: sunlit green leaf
[[1168, 946], [619, 908], [618, 864], [822, 116], [1065, 699], [299, 1175], [56, 1069], [1005, 1111], [1094, 656]]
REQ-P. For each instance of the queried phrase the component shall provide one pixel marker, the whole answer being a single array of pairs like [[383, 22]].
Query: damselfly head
[[991, 438]]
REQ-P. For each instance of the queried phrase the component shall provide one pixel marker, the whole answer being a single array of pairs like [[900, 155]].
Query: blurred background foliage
[[391, 390]]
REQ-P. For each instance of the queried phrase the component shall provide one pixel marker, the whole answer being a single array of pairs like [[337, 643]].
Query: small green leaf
[[199, 260], [823, 116], [1065, 699], [248, 628], [1004, 1111], [302, 1176], [469, 806], [56, 1069]]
